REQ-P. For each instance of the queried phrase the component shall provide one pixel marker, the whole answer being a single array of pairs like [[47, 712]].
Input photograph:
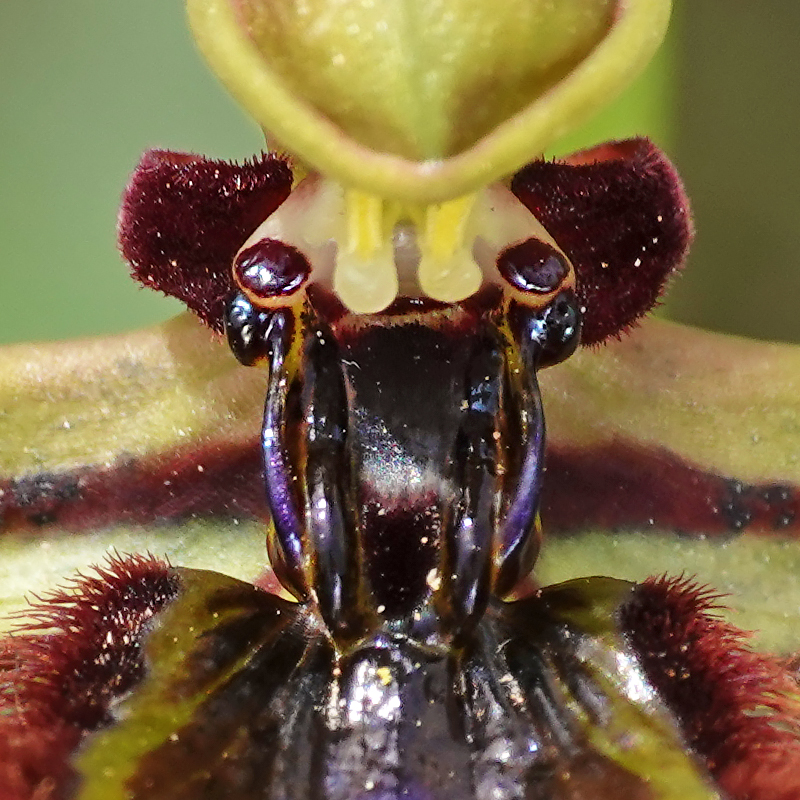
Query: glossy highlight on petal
[[245, 695], [429, 127], [533, 266], [270, 270]]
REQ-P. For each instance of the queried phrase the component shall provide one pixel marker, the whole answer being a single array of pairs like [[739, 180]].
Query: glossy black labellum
[[248, 696], [403, 461], [403, 458]]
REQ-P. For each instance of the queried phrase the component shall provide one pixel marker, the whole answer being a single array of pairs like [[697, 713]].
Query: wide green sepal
[[434, 101], [149, 442]]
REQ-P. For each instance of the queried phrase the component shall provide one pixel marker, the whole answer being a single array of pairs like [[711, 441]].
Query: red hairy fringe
[[78, 648], [739, 709]]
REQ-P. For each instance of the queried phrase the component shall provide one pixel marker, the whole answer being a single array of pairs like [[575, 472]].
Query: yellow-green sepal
[[431, 100]]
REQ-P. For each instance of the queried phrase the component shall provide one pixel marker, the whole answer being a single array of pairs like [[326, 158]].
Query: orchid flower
[[402, 278]]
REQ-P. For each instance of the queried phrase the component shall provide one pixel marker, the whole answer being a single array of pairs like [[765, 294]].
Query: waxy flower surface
[[402, 281]]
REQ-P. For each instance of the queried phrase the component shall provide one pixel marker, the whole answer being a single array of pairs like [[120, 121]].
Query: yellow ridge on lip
[[348, 237], [365, 276], [447, 269]]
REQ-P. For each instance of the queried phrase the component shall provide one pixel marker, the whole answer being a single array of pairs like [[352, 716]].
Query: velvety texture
[[183, 218], [620, 213], [738, 709], [77, 650]]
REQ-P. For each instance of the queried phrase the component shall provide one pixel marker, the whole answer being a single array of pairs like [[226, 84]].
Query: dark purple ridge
[[533, 266], [271, 268]]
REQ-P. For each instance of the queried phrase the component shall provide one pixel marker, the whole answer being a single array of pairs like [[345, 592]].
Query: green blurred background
[[87, 85]]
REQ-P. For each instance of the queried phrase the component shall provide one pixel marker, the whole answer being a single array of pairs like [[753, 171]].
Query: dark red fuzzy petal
[[738, 708], [620, 213], [79, 649], [183, 218]]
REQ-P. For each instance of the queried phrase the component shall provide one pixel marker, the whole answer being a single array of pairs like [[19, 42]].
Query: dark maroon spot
[[620, 214], [737, 708], [183, 218], [270, 269], [533, 266], [39, 495], [742, 503], [217, 479], [401, 547]]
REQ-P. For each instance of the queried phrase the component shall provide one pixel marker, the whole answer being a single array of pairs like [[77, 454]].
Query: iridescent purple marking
[[517, 527], [468, 538], [277, 472]]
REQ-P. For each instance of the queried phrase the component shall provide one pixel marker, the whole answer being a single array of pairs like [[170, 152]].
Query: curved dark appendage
[[255, 335], [281, 497], [330, 524], [468, 551], [518, 540], [543, 337]]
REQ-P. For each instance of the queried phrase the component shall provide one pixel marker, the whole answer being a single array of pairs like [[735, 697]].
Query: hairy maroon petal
[[183, 218], [620, 213], [79, 648], [738, 708]]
